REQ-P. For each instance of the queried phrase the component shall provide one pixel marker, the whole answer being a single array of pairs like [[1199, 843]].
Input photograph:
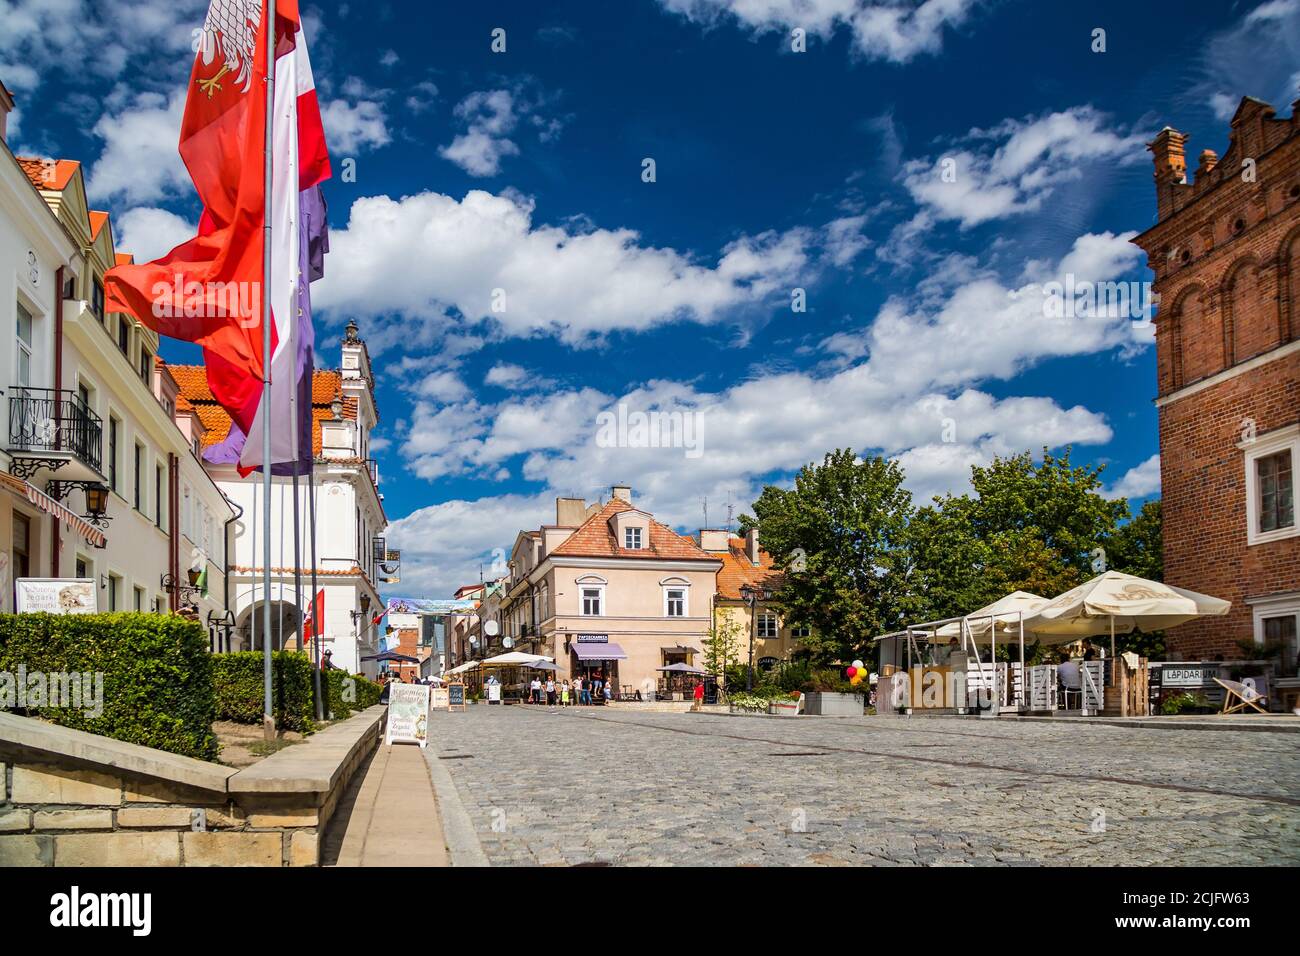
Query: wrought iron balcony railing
[[46, 420]]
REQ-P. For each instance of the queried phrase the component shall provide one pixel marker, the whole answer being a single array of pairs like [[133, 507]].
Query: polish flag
[[208, 290], [314, 613]]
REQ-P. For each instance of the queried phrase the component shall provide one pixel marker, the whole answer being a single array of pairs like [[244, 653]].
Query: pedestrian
[[609, 693], [698, 695], [550, 692], [564, 693], [584, 690], [535, 691], [326, 662]]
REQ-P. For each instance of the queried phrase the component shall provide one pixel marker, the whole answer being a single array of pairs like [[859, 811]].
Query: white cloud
[[354, 127], [1140, 481], [490, 117], [1014, 167], [576, 285], [443, 386], [149, 233], [885, 31], [140, 162], [1256, 56], [505, 375]]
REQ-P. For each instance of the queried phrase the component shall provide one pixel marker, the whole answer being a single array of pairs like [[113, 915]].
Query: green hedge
[[157, 674], [238, 682], [349, 693]]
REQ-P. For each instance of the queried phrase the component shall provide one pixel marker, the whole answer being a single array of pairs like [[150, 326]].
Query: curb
[[463, 846]]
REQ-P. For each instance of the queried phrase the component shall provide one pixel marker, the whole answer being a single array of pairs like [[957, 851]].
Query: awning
[[599, 652], [93, 536]]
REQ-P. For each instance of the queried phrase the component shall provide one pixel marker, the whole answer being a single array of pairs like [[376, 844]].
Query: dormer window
[[632, 539]]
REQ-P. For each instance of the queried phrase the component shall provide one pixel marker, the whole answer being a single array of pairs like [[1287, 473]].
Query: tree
[[839, 535], [722, 646], [1137, 547]]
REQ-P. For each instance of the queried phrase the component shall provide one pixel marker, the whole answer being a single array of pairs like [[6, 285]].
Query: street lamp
[[750, 594]]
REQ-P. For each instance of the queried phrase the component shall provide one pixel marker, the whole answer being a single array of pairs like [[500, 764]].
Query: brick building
[[1226, 257]]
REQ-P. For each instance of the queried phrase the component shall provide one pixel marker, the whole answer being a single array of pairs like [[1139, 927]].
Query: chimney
[[1209, 159], [751, 546], [714, 539], [6, 107], [622, 493], [570, 512], [1171, 167]]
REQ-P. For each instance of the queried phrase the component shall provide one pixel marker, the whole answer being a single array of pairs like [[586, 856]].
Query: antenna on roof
[[705, 502], [731, 507]]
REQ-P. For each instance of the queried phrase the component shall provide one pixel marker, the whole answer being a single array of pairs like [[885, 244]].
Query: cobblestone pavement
[[638, 788]]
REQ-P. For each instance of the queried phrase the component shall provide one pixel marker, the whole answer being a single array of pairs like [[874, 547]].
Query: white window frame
[[776, 628], [685, 599], [1273, 606], [591, 582], [640, 539], [1282, 439], [24, 348]]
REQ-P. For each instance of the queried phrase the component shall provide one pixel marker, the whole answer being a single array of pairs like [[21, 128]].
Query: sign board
[[55, 595], [593, 638], [494, 693], [1196, 675], [439, 697], [408, 714], [455, 696]]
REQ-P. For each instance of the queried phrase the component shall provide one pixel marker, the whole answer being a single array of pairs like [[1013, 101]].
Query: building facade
[[744, 605], [352, 557], [1226, 257], [101, 476]]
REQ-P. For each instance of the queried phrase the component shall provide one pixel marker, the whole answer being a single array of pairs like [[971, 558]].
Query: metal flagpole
[[317, 627], [268, 19]]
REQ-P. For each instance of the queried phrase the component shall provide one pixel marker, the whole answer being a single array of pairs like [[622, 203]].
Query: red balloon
[[851, 671]]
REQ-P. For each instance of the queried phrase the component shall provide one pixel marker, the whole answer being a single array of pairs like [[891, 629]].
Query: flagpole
[[268, 18], [317, 627]]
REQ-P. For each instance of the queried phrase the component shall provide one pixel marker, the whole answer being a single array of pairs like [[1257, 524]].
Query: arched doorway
[[284, 626]]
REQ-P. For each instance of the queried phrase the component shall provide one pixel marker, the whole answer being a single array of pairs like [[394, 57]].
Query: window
[[767, 624], [1276, 500], [22, 545], [803, 632], [24, 346], [674, 602], [1271, 460], [97, 300], [1277, 621], [139, 482], [114, 592], [591, 601], [632, 539], [546, 602], [158, 495], [139, 599], [124, 335], [114, 426], [83, 570], [1280, 632], [146, 366]]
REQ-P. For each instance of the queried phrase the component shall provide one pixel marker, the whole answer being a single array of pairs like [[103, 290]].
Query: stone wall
[[69, 798]]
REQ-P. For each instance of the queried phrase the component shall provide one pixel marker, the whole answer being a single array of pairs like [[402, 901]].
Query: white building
[[99, 478], [352, 558]]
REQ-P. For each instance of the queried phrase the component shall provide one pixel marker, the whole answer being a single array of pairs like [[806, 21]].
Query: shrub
[[157, 674], [830, 680], [238, 683], [363, 693]]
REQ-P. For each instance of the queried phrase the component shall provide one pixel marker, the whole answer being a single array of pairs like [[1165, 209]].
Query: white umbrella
[[468, 665], [1117, 603], [516, 657], [1002, 617]]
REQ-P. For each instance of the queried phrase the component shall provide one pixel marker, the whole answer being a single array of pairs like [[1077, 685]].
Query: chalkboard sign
[[455, 696]]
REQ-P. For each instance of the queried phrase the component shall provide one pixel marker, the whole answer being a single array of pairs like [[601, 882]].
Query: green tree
[[1137, 547], [840, 537], [722, 646]]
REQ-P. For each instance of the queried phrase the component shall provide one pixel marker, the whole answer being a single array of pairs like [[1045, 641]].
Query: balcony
[[51, 430]]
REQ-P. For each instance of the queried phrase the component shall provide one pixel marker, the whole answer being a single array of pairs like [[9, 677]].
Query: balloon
[[851, 671], [858, 664]]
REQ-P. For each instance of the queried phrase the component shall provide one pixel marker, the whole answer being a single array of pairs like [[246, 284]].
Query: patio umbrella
[[542, 666], [515, 657], [1002, 617], [467, 666], [1120, 603], [392, 656], [683, 669]]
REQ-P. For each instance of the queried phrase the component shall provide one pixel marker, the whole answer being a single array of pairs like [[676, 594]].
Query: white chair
[[1071, 683]]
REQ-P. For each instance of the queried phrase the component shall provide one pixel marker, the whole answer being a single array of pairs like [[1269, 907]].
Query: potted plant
[[787, 706], [828, 694]]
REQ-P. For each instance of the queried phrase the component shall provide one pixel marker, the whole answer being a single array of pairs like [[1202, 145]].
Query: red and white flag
[[209, 290], [315, 613]]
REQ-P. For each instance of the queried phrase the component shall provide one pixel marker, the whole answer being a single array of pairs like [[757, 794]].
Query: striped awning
[[93, 536]]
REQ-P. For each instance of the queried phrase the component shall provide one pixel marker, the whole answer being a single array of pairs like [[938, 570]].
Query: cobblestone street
[[641, 788]]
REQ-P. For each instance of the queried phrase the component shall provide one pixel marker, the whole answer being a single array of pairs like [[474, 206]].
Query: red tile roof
[[595, 539], [326, 386], [64, 170], [97, 220], [738, 570]]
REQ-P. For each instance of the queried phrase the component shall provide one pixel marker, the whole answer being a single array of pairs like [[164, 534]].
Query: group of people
[[584, 690]]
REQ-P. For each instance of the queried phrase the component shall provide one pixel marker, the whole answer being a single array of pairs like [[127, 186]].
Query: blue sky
[[516, 177]]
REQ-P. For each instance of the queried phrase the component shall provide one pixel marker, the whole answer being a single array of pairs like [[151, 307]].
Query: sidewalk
[[389, 818]]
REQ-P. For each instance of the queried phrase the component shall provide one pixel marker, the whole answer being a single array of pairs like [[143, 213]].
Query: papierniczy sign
[[55, 595]]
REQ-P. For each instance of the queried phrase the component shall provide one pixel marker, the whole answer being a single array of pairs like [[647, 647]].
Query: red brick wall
[[1226, 256], [1202, 473]]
